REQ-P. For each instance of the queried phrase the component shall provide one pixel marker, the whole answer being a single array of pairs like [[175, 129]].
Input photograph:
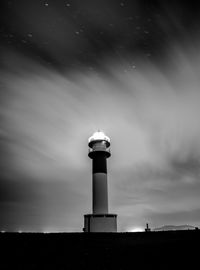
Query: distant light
[[99, 135], [136, 229], [3, 231], [19, 231]]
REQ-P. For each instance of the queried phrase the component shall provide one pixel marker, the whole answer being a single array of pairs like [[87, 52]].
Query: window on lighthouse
[[100, 145]]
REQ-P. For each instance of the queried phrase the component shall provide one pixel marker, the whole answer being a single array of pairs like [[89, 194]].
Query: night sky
[[68, 68]]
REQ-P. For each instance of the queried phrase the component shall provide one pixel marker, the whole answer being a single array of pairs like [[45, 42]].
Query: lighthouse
[[100, 220]]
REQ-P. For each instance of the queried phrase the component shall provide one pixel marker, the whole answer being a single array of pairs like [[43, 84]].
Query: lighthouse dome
[[99, 136]]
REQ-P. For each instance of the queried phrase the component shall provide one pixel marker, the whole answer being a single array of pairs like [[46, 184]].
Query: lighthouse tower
[[100, 220]]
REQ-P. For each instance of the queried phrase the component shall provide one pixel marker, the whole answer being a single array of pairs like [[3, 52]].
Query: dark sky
[[68, 68]]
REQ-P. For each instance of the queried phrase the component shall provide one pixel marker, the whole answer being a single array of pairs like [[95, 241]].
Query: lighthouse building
[[100, 220]]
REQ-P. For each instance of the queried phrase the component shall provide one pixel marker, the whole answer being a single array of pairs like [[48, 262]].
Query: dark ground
[[148, 250]]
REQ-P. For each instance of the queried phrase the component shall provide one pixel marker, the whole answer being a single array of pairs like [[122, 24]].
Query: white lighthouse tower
[[100, 220]]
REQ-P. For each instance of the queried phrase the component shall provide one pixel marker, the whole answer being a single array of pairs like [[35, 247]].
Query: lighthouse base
[[100, 223]]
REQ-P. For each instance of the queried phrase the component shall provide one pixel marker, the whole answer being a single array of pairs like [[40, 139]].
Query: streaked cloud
[[151, 115]]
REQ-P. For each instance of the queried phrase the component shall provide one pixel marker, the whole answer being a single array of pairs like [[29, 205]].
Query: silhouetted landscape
[[175, 228], [149, 250]]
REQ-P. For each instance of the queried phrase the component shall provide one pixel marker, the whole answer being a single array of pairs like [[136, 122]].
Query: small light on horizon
[[136, 229]]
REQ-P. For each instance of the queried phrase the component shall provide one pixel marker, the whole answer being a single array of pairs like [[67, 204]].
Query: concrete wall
[[100, 223]]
